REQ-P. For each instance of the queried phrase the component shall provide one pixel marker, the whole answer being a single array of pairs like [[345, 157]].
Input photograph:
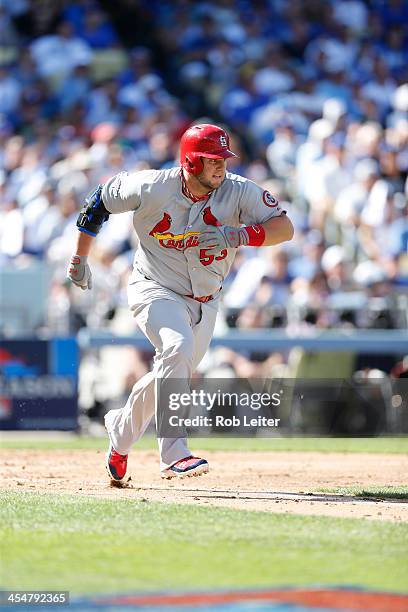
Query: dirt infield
[[281, 482]]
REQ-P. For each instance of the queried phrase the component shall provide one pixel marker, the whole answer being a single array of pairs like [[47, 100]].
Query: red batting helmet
[[204, 140]]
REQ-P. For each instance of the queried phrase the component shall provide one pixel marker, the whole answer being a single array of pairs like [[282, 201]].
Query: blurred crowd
[[315, 95]]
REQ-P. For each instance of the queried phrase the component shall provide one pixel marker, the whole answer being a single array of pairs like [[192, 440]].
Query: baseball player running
[[190, 220]]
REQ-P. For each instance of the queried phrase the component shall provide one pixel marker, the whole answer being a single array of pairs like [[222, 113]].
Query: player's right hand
[[224, 237], [79, 272]]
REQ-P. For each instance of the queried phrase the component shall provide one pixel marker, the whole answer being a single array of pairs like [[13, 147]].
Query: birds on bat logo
[[184, 241], [168, 240]]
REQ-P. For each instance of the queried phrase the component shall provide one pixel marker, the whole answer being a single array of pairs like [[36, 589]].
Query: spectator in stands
[[10, 92], [97, 31], [56, 55], [75, 88]]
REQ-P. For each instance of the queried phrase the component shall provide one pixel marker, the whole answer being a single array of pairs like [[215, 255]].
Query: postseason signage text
[[38, 384]]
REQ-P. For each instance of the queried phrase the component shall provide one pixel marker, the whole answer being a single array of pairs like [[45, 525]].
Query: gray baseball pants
[[180, 329]]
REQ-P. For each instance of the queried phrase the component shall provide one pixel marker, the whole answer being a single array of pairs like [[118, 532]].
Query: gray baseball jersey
[[168, 225]]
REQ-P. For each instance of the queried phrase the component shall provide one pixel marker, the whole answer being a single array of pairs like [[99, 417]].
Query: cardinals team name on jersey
[[180, 242], [184, 241]]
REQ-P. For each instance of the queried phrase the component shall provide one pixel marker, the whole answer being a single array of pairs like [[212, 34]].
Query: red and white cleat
[[116, 465], [189, 466]]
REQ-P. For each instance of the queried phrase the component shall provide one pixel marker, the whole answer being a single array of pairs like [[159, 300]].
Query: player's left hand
[[224, 237]]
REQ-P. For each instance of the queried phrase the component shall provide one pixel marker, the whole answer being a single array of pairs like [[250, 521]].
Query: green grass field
[[89, 545], [340, 445], [377, 492]]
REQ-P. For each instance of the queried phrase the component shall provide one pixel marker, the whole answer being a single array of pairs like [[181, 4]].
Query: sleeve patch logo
[[269, 200]]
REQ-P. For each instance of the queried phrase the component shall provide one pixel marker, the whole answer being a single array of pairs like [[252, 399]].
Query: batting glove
[[224, 237], [79, 272]]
